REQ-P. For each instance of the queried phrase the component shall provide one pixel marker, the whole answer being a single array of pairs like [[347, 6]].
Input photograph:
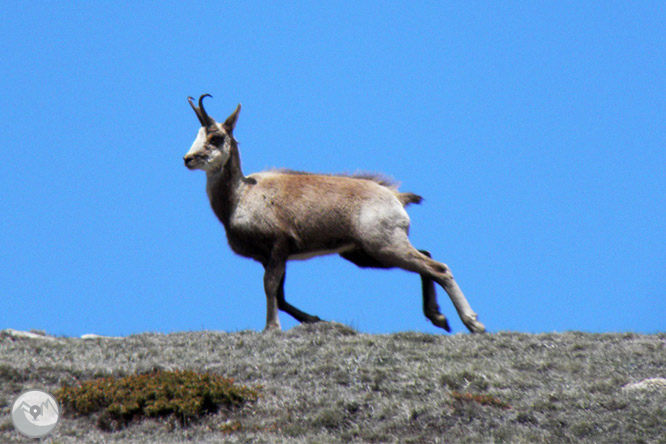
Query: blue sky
[[535, 130]]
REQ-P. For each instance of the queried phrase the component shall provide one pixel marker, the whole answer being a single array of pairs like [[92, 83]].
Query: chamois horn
[[201, 113]]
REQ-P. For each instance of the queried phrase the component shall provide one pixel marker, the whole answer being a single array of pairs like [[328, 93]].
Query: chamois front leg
[[297, 314], [274, 271], [274, 277]]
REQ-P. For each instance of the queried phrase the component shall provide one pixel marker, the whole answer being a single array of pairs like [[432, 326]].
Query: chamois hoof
[[439, 320], [272, 327], [473, 325], [311, 320]]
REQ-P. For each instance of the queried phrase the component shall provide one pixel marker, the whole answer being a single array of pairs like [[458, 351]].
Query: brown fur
[[378, 178]]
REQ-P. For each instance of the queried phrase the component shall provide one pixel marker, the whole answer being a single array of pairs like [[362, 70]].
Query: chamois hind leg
[[397, 251], [430, 307], [297, 314]]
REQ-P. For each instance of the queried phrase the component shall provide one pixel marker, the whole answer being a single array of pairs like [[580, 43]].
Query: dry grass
[[328, 383], [480, 399]]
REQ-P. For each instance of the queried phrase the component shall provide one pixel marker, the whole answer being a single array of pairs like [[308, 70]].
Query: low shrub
[[184, 395]]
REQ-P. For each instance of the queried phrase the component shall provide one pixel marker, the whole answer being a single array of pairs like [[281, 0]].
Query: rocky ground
[[328, 383]]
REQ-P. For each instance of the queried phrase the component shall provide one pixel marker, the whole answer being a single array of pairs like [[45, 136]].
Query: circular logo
[[35, 413]]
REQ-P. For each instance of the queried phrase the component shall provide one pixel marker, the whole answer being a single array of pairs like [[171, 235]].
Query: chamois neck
[[224, 186]]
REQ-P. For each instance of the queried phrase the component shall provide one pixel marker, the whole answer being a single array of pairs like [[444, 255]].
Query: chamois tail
[[409, 198]]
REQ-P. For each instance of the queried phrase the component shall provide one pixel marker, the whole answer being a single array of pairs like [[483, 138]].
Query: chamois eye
[[216, 139]]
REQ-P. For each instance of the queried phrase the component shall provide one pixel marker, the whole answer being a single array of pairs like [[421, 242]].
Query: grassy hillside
[[327, 383]]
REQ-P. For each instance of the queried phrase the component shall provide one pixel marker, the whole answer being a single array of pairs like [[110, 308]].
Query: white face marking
[[198, 142]]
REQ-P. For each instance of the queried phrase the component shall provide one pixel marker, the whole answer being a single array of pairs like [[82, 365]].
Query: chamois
[[275, 216]]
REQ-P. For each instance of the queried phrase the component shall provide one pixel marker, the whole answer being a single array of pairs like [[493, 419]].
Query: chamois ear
[[230, 123]]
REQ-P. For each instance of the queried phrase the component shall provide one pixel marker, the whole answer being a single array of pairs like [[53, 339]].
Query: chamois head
[[212, 147]]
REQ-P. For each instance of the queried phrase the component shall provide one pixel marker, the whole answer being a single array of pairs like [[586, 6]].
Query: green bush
[[185, 395]]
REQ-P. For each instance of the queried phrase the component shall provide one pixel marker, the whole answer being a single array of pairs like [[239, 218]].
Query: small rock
[[94, 336], [650, 384], [25, 334]]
